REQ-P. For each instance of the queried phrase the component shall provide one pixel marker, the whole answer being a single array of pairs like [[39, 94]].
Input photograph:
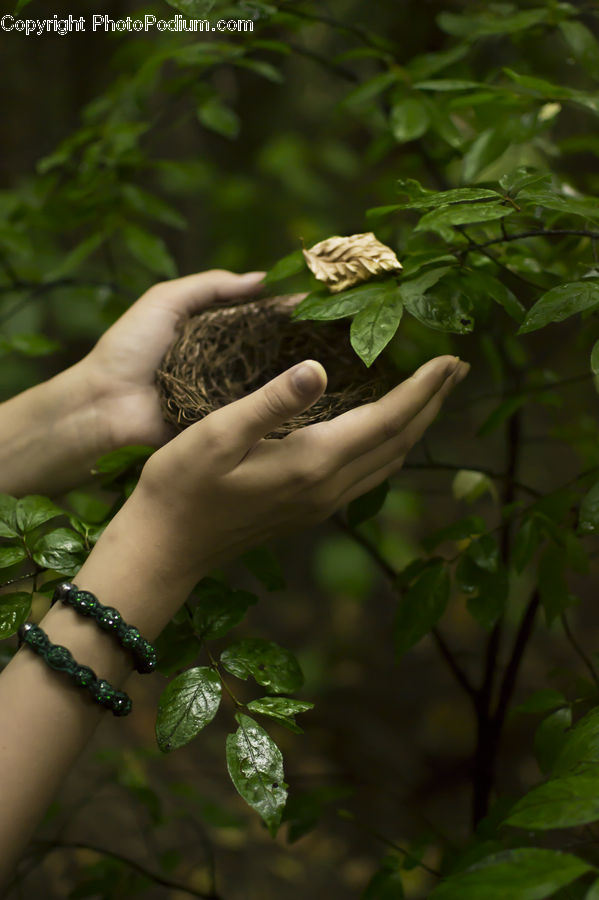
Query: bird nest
[[226, 352]]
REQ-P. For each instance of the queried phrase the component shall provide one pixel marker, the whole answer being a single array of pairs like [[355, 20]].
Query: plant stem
[[579, 650]]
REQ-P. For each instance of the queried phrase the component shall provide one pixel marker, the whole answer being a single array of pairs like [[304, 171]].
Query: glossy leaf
[[14, 610], [374, 326], [8, 516], [462, 214], [34, 510], [11, 554], [255, 765], [560, 303], [436, 199], [269, 664], [526, 873], [61, 549], [322, 306], [421, 607], [581, 747], [219, 608], [559, 803], [187, 705], [409, 120], [282, 709]]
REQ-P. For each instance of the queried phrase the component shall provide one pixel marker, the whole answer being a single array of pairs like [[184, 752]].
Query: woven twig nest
[[226, 352]]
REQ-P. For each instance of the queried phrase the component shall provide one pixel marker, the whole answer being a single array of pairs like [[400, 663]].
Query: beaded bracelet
[[61, 660], [110, 619]]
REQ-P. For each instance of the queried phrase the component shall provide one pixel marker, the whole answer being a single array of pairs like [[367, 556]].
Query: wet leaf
[[186, 706], [255, 765]]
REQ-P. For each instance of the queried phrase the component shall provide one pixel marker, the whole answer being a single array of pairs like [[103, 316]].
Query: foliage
[[469, 162]]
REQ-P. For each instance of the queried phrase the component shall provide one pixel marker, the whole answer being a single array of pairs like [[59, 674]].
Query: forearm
[[51, 435], [46, 720]]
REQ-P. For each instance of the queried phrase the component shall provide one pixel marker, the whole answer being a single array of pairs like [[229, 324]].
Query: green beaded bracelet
[[109, 619], [61, 660]]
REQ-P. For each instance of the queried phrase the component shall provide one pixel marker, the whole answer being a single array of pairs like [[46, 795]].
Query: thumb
[[251, 418]]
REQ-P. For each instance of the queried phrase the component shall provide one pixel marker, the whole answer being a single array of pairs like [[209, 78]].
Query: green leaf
[[386, 884], [581, 747], [21, 4], [219, 608], [436, 199], [368, 505], [374, 326], [177, 647], [499, 20], [560, 303], [255, 765], [409, 120], [195, 9], [370, 89], [484, 149], [588, 520], [291, 264], [550, 737], [553, 590], [218, 117], [595, 358], [469, 485], [265, 566], [462, 214], [269, 664], [523, 177], [448, 84], [542, 701], [282, 709], [186, 706], [446, 310], [61, 549], [488, 284], [463, 528], [260, 67], [147, 204], [28, 344], [526, 542], [526, 873], [73, 260], [11, 554], [14, 609], [8, 516], [35, 510], [559, 803], [149, 250], [421, 607], [583, 45], [323, 306], [119, 461], [593, 892], [586, 207], [503, 412]]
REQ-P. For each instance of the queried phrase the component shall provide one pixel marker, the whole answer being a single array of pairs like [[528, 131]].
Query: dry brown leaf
[[342, 262]]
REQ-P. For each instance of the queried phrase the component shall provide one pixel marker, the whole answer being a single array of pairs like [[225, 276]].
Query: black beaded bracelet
[[110, 619], [61, 660]]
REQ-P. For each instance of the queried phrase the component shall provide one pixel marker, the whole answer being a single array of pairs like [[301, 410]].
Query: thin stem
[[579, 650], [510, 676], [549, 232], [449, 658], [389, 843], [454, 467], [49, 846]]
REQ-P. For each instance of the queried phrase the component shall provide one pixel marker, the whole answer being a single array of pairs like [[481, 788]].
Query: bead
[[121, 705], [103, 692], [131, 638], [83, 676], [65, 592], [59, 658], [85, 603], [36, 638], [109, 619]]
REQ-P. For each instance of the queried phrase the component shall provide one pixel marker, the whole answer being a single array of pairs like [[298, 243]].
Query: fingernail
[[433, 364], [308, 377]]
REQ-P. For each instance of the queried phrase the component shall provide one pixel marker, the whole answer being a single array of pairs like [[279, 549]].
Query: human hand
[[122, 365], [220, 487]]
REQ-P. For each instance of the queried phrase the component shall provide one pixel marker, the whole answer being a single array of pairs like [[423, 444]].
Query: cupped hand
[[220, 487], [121, 366]]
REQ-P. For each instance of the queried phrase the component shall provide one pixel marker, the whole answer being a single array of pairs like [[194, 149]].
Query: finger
[[248, 420], [400, 445], [370, 481], [363, 429], [182, 297]]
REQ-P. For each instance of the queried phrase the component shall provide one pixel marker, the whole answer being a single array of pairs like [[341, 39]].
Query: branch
[[49, 846], [391, 574], [454, 467], [511, 673], [548, 232]]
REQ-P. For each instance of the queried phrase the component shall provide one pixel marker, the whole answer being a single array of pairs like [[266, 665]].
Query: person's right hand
[[219, 487]]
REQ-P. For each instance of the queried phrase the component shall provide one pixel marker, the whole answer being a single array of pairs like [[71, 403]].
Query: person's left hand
[[122, 365]]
